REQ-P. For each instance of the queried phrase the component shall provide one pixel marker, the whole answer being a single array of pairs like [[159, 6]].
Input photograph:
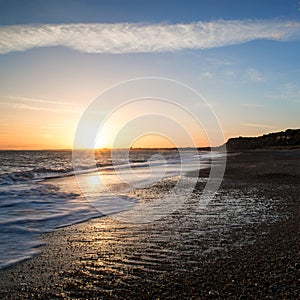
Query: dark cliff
[[288, 138]]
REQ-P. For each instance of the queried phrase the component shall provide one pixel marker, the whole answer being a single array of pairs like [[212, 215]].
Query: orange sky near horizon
[[20, 138], [34, 125]]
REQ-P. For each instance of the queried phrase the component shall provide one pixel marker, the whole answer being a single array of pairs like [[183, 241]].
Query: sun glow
[[151, 140], [103, 139]]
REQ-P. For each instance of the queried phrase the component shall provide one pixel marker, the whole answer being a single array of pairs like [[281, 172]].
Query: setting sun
[[103, 140]]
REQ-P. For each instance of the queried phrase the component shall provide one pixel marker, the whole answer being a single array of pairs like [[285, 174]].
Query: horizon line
[[108, 149]]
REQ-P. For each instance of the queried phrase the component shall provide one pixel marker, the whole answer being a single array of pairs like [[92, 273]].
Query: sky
[[226, 66]]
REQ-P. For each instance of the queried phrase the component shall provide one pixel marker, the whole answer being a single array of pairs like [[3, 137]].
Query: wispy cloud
[[255, 75], [25, 103], [256, 125], [37, 100], [231, 73], [289, 91], [252, 105], [206, 75], [139, 38]]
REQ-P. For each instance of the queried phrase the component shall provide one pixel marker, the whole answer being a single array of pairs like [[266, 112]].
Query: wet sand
[[246, 244]]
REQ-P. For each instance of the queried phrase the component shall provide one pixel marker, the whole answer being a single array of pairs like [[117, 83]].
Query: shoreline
[[75, 260]]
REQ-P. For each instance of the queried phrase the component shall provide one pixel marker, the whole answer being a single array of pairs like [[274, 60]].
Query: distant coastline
[[289, 138]]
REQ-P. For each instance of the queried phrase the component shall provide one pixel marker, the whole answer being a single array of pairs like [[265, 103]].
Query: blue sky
[[171, 11], [242, 56]]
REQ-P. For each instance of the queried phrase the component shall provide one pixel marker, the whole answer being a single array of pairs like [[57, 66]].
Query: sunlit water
[[39, 192]]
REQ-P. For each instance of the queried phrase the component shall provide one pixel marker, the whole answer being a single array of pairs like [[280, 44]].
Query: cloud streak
[[254, 75], [121, 38], [43, 101], [256, 125], [252, 105], [25, 103]]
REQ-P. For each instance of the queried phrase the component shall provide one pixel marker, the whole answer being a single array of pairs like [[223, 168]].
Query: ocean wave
[[38, 174]]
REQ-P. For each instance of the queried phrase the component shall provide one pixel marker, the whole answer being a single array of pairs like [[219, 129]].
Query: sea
[[40, 190]]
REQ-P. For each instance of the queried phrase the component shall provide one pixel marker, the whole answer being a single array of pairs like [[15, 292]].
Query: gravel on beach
[[246, 249]]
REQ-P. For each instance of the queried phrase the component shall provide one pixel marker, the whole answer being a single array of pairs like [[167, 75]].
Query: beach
[[247, 248]]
